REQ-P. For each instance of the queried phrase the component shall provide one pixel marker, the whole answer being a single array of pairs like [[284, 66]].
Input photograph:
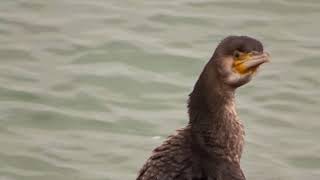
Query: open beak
[[250, 62]]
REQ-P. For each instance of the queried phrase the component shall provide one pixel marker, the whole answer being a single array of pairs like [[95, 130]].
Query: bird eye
[[236, 54]]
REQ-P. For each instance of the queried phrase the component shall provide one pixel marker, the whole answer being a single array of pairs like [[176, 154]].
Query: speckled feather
[[171, 160]]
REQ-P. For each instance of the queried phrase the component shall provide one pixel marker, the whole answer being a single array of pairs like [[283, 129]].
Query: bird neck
[[211, 103], [213, 120]]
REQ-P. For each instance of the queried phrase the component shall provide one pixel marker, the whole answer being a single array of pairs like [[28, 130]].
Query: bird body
[[210, 146], [172, 160]]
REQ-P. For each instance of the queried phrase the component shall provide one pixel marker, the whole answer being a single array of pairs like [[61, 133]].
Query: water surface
[[89, 88]]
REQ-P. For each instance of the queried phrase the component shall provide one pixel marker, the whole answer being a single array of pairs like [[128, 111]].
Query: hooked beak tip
[[257, 60]]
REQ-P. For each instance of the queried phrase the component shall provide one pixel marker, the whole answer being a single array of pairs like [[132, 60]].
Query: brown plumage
[[210, 146]]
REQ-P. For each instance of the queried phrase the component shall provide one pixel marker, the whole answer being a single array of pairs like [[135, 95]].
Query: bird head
[[236, 60]]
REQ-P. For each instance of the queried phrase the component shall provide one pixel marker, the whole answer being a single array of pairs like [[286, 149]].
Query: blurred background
[[89, 88]]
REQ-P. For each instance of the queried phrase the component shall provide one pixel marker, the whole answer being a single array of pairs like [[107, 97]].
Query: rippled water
[[89, 88]]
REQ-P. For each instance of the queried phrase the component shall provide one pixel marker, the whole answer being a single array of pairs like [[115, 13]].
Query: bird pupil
[[236, 54]]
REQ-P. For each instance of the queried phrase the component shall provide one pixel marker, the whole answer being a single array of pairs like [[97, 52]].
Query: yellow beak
[[249, 63]]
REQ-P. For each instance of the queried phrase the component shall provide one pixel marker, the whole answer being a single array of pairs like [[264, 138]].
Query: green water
[[89, 88]]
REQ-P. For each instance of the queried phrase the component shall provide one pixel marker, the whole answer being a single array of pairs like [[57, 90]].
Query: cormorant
[[210, 146]]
